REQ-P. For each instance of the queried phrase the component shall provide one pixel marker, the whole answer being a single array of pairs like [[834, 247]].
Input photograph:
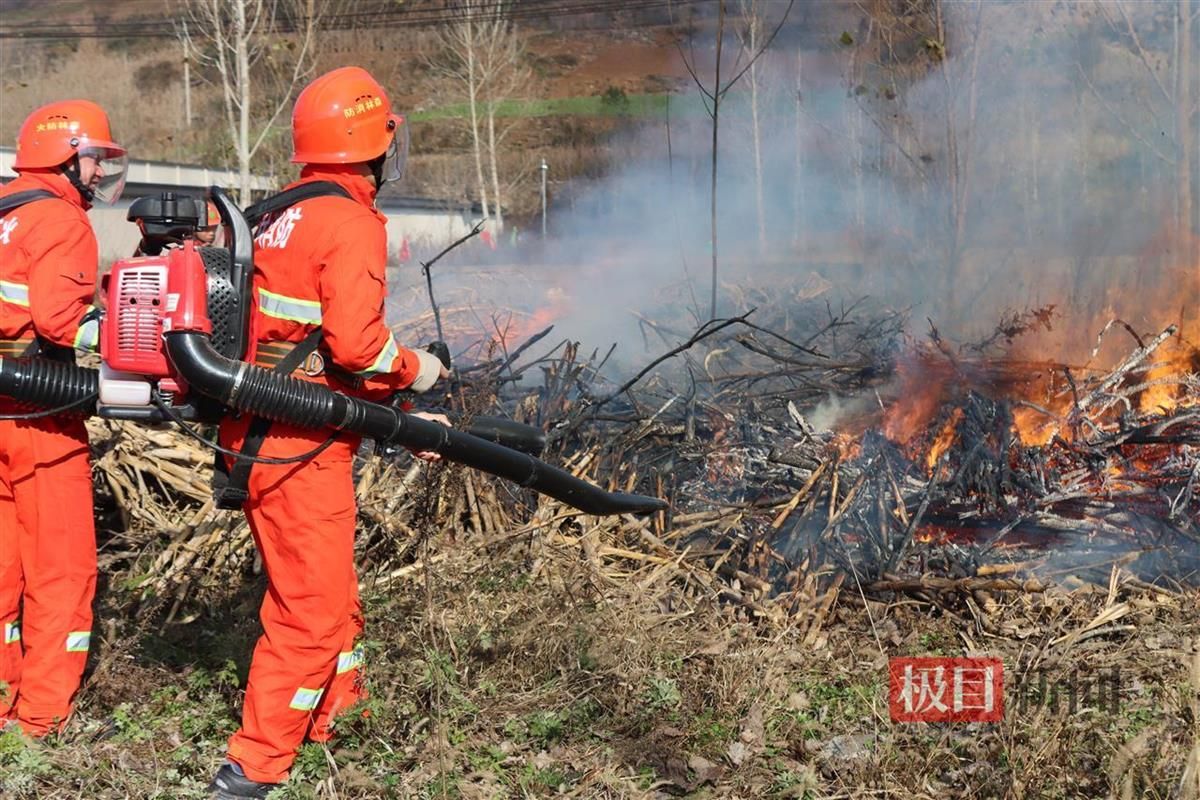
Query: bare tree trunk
[[760, 205], [482, 55], [233, 36], [491, 127], [216, 29], [714, 96], [798, 188], [187, 80], [959, 154], [952, 163], [1083, 153], [753, 37], [473, 101], [855, 124], [243, 80], [1030, 124], [963, 202], [716, 110]]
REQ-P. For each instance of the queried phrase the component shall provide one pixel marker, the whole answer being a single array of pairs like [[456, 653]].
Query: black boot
[[232, 784]]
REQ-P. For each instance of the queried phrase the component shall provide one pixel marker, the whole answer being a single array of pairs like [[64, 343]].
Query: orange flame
[[922, 391], [558, 305], [1041, 396], [943, 440]]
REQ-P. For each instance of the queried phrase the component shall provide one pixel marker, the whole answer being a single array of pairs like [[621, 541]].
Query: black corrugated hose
[[282, 398]]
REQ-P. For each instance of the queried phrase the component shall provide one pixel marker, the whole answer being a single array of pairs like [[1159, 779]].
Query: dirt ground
[[586, 63], [520, 668]]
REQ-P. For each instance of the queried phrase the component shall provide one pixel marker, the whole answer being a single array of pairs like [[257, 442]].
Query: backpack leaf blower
[[172, 340]]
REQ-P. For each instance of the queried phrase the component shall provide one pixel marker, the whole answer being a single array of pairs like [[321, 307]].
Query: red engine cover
[[145, 297], [131, 331], [187, 292]]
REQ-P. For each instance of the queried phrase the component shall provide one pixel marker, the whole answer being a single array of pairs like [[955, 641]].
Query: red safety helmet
[[58, 132], [345, 117]]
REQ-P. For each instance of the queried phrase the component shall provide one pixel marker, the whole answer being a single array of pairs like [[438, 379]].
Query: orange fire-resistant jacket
[[48, 264], [305, 276]]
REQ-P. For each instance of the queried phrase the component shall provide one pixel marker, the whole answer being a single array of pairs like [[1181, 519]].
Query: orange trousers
[[306, 667], [47, 569]]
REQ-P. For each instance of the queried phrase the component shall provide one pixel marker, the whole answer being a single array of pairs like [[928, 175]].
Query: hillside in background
[[592, 75], [916, 366]]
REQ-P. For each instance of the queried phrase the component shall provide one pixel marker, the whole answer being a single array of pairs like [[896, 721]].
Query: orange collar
[[360, 187], [51, 181]]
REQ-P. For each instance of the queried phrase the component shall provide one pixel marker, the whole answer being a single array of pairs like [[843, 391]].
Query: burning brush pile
[[939, 469], [806, 449], [990, 458]]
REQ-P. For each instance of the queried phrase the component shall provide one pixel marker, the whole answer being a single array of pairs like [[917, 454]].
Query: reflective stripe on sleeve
[[15, 293], [383, 361], [88, 335]]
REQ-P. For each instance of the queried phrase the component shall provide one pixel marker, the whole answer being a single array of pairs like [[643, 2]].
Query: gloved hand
[[431, 370]]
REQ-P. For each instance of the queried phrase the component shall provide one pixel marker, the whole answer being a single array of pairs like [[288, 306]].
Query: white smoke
[[1017, 172]]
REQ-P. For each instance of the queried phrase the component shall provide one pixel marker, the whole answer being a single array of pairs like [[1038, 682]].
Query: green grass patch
[[605, 105]]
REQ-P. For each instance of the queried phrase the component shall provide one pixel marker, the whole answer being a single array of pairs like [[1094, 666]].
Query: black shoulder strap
[[231, 484], [289, 197], [18, 199]]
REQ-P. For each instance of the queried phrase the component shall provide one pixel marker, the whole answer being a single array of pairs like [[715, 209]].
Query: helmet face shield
[[103, 170], [396, 157]]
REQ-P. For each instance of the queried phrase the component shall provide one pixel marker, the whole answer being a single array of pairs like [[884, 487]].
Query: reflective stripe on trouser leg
[[78, 641], [57, 544], [351, 660], [303, 520], [305, 699], [347, 687]]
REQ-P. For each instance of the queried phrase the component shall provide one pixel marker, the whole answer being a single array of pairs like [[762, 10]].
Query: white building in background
[[426, 225], [117, 236]]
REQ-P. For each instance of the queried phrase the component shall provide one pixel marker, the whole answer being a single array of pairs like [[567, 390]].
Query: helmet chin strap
[[71, 170], [376, 165]]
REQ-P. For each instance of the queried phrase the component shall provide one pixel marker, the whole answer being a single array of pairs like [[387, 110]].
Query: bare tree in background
[[960, 135], [712, 97], [948, 65], [505, 77], [459, 61], [257, 66], [1165, 97], [1187, 105], [750, 35], [484, 56]]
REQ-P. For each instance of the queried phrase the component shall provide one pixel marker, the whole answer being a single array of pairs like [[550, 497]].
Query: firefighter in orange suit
[[319, 263], [67, 159], [206, 234]]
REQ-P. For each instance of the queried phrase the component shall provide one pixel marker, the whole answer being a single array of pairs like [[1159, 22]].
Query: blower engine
[[150, 297], [172, 340]]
